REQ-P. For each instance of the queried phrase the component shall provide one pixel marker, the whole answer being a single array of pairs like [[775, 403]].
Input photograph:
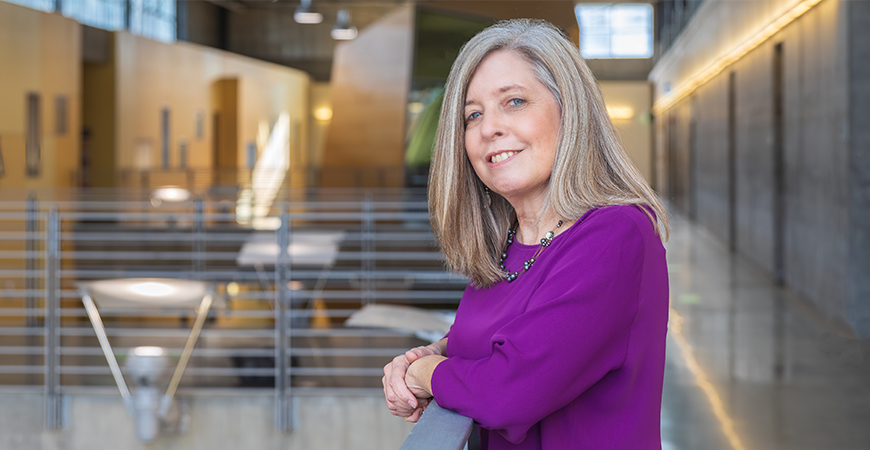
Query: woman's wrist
[[419, 374], [439, 347]]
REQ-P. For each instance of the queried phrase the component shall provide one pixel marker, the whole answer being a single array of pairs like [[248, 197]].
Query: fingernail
[[410, 402]]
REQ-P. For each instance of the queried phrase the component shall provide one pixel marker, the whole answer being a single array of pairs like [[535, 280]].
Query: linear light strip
[[675, 327], [702, 77]]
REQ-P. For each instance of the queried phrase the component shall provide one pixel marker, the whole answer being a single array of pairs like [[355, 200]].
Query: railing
[[277, 324], [294, 178], [439, 429]]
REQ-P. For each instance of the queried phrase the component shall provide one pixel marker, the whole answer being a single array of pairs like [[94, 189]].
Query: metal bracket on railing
[[439, 429], [100, 330], [201, 314]]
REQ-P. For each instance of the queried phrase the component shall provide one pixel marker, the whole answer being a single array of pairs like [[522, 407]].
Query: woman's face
[[511, 127]]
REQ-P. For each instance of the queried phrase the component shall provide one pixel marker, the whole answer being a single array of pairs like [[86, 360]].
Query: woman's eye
[[473, 115], [517, 102]]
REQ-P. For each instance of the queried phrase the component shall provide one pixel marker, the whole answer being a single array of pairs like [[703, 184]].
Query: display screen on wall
[[32, 146]]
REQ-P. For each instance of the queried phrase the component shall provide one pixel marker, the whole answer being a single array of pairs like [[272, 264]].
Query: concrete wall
[[39, 53], [215, 423], [824, 79], [817, 158], [859, 179], [716, 28]]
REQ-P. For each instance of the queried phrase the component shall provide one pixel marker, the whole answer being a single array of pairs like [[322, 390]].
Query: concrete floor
[[751, 365]]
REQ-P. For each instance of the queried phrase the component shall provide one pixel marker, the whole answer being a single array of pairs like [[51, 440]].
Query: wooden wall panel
[[370, 80]]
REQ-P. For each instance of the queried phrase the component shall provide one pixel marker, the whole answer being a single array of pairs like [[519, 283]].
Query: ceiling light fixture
[[343, 30], [306, 14]]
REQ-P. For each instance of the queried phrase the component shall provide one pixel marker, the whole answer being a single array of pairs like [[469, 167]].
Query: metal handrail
[[439, 429]]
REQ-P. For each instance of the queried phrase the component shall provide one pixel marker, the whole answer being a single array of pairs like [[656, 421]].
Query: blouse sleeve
[[575, 330]]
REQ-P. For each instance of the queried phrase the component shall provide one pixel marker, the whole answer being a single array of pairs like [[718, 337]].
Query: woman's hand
[[400, 400]]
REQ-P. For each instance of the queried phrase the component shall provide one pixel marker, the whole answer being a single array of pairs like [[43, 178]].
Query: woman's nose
[[492, 126]]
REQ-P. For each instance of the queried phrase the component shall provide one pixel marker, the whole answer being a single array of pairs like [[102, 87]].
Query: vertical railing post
[[283, 402], [198, 238], [368, 249], [52, 322], [31, 280]]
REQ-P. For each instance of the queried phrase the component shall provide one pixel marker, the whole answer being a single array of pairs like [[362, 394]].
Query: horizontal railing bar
[[21, 350], [327, 294], [25, 370], [202, 391], [383, 274], [22, 273], [346, 332], [227, 314], [206, 333], [211, 237], [168, 332], [146, 255], [132, 238], [178, 313], [22, 331], [21, 215], [21, 254], [338, 371], [190, 216], [217, 371], [228, 256], [201, 352], [181, 333], [10, 293], [223, 352], [32, 312], [21, 235]]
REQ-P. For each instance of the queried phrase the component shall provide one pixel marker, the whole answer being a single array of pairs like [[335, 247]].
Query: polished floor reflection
[[750, 366]]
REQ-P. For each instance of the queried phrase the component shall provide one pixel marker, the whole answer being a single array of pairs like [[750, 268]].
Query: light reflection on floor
[[749, 365]]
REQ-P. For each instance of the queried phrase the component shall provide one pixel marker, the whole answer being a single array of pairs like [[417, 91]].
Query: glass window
[[105, 14], [153, 19], [615, 30], [42, 5]]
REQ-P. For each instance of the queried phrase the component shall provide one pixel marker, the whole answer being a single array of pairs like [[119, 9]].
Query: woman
[[559, 340]]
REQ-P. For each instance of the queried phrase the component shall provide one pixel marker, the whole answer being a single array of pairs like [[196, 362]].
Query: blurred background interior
[[219, 206]]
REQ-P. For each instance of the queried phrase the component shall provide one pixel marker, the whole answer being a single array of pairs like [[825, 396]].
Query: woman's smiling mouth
[[499, 157]]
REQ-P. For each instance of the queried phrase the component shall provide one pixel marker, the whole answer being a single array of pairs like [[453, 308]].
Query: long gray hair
[[591, 168]]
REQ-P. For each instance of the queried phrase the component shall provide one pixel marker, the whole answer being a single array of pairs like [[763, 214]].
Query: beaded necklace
[[545, 242]]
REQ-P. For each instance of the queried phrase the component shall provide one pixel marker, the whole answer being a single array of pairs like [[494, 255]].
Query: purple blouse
[[571, 354]]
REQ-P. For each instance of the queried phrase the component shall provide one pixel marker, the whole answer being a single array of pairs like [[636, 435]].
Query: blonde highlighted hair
[[591, 168]]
